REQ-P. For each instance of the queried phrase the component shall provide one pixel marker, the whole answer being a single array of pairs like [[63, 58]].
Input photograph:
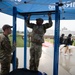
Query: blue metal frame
[[25, 43], [14, 35], [56, 40]]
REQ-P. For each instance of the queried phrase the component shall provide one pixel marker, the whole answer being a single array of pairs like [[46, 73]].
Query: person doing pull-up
[[37, 38]]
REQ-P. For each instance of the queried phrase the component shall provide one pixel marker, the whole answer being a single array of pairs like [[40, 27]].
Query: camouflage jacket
[[5, 48], [38, 31]]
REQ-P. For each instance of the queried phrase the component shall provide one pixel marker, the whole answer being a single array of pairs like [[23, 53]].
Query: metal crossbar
[[36, 13]]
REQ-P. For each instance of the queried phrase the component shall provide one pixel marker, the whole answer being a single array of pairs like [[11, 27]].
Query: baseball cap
[[6, 26]]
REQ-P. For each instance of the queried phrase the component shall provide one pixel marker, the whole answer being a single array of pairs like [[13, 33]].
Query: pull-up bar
[[36, 13], [56, 36]]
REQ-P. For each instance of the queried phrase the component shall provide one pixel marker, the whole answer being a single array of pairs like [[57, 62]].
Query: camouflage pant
[[5, 65], [35, 54]]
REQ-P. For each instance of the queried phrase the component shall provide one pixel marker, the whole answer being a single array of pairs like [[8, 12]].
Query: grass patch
[[49, 40], [20, 41]]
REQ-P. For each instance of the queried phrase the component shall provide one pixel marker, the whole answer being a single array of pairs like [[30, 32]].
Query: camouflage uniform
[[37, 38], [5, 55]]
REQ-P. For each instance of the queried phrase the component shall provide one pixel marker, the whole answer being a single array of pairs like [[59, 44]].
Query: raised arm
[[27, 21], [48, 25]]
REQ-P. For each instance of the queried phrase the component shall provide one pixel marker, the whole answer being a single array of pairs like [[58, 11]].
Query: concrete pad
[[66, 63]]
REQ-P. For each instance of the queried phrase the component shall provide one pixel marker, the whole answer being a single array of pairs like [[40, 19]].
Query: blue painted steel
[[25, 44], [14, 35], [56, 41], [68, 9], [35, 15]]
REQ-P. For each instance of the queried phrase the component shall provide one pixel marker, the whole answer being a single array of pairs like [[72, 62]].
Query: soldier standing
[[6, 50], [37, 38]]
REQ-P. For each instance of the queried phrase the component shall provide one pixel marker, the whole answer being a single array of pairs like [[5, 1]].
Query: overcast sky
[[6, 19]]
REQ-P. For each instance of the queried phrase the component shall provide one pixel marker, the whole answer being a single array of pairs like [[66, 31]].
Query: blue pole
[[56, 40], [25, 44], [14, 35]]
